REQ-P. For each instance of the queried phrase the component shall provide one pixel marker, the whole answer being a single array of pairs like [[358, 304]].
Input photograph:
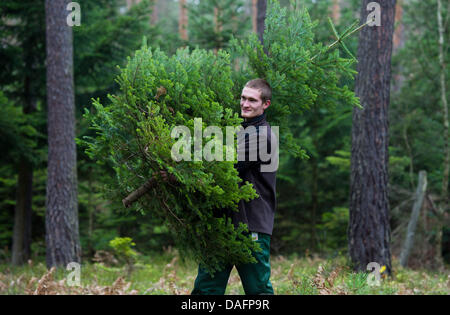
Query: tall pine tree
[[369, 229], [62, 235]]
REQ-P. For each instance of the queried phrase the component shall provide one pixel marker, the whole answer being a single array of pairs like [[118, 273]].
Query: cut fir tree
[[158, 93]]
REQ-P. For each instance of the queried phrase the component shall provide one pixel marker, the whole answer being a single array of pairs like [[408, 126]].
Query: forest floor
[[167, 274]]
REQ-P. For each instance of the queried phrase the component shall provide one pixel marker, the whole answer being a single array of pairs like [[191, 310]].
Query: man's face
[[251, 103]]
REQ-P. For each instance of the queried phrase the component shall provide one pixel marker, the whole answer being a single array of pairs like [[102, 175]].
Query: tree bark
[[399, 39], [146, 187], [138, 193], [399, 28], [21, 249], [61, 222], [255, 16], [260, 19], [336, 11], [315, 202], [183, 21], [409, 239], [369, 230], [217, 28], [22, 214], [155, 12], [444, 192], [445, 177]]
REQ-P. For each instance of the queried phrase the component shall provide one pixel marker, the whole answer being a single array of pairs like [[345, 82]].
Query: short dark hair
[[261, 85]]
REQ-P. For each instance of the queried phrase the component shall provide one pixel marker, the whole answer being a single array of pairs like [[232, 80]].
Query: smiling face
[[251, 103]]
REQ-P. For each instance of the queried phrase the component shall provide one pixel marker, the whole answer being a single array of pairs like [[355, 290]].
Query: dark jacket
[[258, 213]]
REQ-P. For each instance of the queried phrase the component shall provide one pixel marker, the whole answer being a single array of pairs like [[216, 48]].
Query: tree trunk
[[61, 222], [261, 18], [315, 202], [369, 230], [399, 28], [336, 11], [217, 28], [155, 12], [409, 239], [255, 16], [399, 39], [130, 3], [444, 192], [183, 21], [91, 212], [21, 249], [22, 214]]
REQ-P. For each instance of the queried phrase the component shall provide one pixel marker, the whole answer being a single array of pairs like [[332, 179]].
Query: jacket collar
[[253, 120]]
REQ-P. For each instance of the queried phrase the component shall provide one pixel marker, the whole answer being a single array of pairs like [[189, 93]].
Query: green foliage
[[20, 139], [334, 229], [303, 72], [134, 137], [22, 53], [18, 135], [213, 23], [416, 108], [159, 92], [122, 249], [312, 104], [341, 159], [108, 34]]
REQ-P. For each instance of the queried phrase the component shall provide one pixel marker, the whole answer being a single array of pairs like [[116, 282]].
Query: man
[[258, 213]]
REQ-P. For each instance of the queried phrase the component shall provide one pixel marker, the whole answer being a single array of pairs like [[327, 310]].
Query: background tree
[[313, 193], [336, 11], [213, 23], [443, 88], [21, 56], [203, 88], [261, 8], [107, 35], [183, 20], [62, 235], [418, 131], [369, 229]]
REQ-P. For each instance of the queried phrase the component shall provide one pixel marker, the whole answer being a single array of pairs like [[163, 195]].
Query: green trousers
[[255, 277]]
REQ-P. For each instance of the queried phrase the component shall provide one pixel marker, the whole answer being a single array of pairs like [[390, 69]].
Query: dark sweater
[[258, 213]]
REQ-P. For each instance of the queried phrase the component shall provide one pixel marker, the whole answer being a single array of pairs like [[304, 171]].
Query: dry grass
[[167, 274]]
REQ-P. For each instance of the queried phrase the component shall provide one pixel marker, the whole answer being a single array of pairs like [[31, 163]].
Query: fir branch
[[171, 212], [340, 39]]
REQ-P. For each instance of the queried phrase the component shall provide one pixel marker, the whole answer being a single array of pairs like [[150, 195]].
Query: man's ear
[[266, 104]]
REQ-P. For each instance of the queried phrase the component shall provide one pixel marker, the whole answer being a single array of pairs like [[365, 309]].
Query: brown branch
[[138, 193], [171, 212], [145, 188]]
